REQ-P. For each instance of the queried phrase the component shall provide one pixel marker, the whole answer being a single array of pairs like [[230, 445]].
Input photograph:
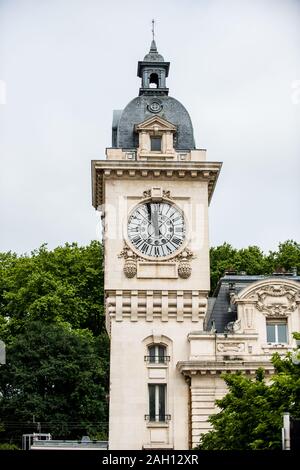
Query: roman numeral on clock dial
[[156, 229]]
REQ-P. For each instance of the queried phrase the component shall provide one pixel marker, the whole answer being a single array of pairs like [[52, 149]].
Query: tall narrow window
[[157, 402], [155, 144], [277, 331]]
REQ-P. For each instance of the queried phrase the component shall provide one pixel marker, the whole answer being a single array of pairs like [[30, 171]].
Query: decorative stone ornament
[[130, 268], [131, 260], [184, 269], [130, 265], [147, 194], [231, 347], [184, 266], [284, 303], [156, 193], [167, 195], [155, 106]]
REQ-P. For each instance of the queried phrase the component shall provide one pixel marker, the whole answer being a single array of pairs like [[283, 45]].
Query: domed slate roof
[[139, 109], [153, 100]]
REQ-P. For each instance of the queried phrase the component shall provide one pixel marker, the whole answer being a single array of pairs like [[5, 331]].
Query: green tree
[[63, 285], [286, 257], [59, 376], [51, 319], [222, 258], [51, 308], [250, 414], [252, 260]]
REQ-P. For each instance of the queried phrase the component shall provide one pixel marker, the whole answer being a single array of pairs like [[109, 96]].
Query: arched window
[[157, 354], [153, 80]]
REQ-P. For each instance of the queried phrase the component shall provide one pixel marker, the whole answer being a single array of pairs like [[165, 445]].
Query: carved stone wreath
[[276, 308]]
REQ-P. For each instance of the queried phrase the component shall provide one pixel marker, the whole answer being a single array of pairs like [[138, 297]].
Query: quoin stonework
[[170, 341]]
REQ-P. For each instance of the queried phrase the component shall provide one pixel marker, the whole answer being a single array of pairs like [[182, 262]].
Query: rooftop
[[64, 444], [220, 310]]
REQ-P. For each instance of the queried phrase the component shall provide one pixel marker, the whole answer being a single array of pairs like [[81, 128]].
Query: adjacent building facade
[[169, 341]]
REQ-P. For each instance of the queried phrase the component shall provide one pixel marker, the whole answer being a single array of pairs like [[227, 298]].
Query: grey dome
[[138, 110], [153, 55]]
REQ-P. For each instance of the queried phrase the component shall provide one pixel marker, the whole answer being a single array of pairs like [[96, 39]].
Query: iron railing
[[157, 359], [158, 418]]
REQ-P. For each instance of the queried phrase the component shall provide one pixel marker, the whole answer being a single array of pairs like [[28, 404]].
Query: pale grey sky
[[67, 64]]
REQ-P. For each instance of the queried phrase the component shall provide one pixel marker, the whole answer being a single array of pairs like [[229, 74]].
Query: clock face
[[156, 229]]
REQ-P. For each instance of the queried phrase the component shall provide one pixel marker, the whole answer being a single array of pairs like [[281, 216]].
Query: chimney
[[294, 270]]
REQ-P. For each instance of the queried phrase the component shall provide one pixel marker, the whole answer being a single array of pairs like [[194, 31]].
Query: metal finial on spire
[[153, 48]]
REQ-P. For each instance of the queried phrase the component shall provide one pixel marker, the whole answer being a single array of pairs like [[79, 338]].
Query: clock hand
[[149, 212], [163, 223], [154, 217]]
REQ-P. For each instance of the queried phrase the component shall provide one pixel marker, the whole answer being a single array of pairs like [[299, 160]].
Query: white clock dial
[[156, 229]]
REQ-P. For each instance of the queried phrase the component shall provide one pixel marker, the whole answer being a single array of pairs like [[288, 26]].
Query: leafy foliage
[[287, 256], [63, 285], [252, 260], [9, 447], [51, 319], [57, 375], [250, 414]]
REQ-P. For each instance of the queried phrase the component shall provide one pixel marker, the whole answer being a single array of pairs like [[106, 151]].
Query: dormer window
[[155, 143], [155, 136]]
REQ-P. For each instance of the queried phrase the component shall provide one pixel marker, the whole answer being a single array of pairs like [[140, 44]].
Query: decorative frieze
[[156, 304], [101, 169], [219, 367]]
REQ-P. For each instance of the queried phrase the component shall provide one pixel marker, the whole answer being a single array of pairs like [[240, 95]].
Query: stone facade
[[166, 355], [243, 346]]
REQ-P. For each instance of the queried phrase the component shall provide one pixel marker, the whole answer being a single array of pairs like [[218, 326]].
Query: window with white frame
[[157, 402], [277, 331], [157, 354]]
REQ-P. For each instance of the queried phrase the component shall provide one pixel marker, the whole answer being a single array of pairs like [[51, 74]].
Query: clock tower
[[153, 190]]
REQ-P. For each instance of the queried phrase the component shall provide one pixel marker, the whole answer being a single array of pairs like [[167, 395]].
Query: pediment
[[155, 123], [272, 297]]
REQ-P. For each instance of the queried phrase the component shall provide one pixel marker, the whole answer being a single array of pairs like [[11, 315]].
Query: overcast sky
[[66, 64]]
